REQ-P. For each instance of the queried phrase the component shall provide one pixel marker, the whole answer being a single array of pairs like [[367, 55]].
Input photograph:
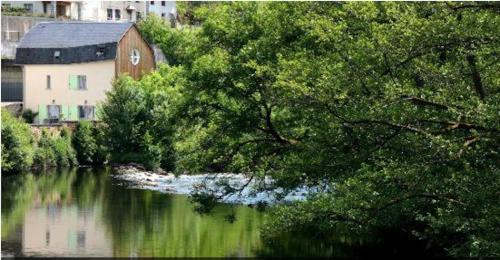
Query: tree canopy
[[396, 105]]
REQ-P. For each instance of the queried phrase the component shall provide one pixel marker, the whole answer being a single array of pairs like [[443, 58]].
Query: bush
[[84, 143], [89, 143], [55, 150], [29, 116], [45, 155], [65, 153], [17, 144], [101, 153]]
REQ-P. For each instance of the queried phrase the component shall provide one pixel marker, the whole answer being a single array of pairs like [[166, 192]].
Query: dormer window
[[100, 52], [57, 54]]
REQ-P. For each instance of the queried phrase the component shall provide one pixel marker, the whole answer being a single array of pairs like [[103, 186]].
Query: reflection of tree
[[148, 223], [139, 222]]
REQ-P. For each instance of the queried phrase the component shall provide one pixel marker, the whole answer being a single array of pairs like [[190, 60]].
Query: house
[[120, 11], [69, 66]]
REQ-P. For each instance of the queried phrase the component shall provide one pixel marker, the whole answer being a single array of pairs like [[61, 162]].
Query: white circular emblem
[[135, 56]]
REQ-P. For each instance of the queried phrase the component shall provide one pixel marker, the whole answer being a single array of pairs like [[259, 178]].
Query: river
[[86, 212]]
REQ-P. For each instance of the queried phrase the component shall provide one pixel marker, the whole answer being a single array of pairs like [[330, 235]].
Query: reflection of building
[[69, 66], [64, 231]]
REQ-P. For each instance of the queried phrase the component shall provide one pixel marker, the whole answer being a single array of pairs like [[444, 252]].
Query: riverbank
[[249, 190]]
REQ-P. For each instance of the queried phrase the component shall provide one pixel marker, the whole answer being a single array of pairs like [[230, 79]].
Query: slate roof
[[75, 41]]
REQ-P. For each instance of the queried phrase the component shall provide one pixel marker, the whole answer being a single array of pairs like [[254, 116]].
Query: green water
[[86, 212]]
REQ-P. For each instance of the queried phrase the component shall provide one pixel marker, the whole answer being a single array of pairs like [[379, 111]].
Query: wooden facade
[[130, 41]]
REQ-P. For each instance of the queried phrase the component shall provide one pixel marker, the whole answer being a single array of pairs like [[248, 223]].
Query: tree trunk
[[476, 77]]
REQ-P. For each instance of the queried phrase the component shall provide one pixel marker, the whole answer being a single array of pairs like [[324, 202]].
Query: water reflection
[[84, 213]]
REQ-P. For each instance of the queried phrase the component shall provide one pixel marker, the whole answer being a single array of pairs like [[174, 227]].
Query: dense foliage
[[17, 144], [138, 120], [395, 104], [54, 149], [21, 150], [89, 143]]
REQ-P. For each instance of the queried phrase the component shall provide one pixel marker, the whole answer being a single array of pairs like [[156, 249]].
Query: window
[[86, 112], [135, 57], [78, 82], [48, 81], [117, 14], [162, 14], [101, 51], [54, 111], [82, 82], [139, 16], [110, 14], [57, 54], [163, 3], [152, 2], [28, 8]]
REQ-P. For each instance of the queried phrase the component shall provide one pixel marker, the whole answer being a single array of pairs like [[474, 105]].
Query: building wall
[[91, 11], [99, 78], [130, 41], [97, 10], [37, 5], [165, 9], [126, 15]]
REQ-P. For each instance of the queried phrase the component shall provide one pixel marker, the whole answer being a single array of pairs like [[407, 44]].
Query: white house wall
[[99, 78]]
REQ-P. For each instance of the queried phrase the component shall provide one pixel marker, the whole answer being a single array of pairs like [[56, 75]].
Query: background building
[[125, 11], [165, 9]]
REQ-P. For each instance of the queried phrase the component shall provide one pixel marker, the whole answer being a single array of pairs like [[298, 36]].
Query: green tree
[[394, 105], [139, 119]]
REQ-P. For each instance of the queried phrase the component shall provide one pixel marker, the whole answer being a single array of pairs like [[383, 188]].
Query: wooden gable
[[132, 40]]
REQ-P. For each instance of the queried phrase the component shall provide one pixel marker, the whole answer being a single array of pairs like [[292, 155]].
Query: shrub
[[101, 153], [17, 144], [84, 143], [29, 116], [64, 151], [45, 155], [55, 150]]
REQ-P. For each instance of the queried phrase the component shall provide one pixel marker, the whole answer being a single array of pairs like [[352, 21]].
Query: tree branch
[[476, 77]]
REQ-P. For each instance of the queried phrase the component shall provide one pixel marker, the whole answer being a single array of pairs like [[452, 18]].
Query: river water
[[88, 212]]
